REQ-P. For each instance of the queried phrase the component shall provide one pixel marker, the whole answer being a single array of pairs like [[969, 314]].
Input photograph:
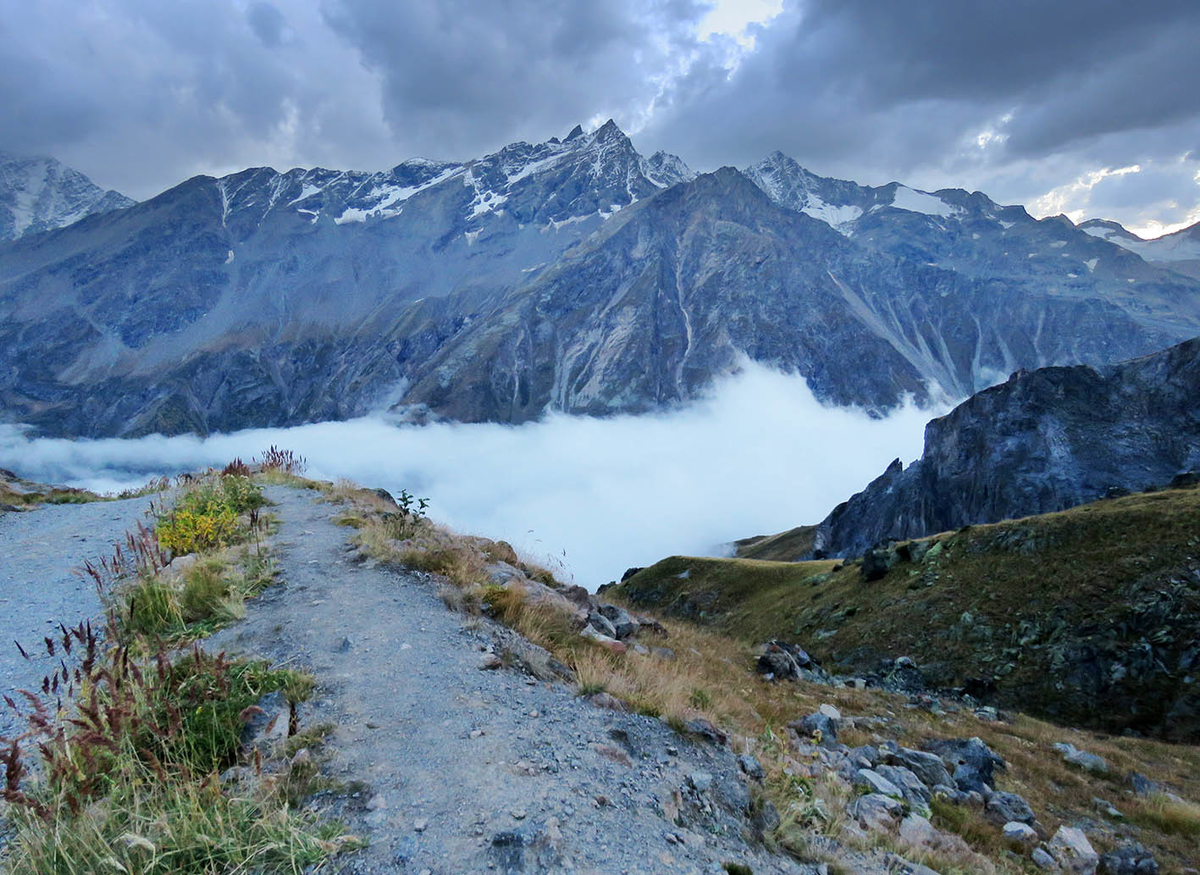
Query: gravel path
[[472, 770], [39, 553]]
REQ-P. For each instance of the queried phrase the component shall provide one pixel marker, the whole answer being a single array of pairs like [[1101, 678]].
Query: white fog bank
[[759, 455]]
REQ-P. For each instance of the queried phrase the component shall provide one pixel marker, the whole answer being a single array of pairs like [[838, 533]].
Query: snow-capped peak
[[40, 194]]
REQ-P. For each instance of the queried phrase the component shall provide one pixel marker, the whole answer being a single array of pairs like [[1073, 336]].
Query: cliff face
[[1043, 441]]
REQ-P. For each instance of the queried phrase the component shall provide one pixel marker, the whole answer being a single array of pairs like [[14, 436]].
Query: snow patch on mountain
[[1181, 246], [921, 202]]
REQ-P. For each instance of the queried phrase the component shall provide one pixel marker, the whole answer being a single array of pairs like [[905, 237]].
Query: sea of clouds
[[758, 455]]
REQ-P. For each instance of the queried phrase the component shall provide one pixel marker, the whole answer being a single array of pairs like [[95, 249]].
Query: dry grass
[[712, 676]]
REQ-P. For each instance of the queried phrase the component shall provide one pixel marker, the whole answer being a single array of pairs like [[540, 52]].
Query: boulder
[[1088, 761], [1141, 785], [1021, 833], [1002, 808], [606, 641], [810, 726], [630, 572], [1073, 852], [911, 787], [777, 663], [918, 832], [624, 624], [578, 596], [970, 761], [385, 496], [878, 561], [601, 624], [1129, 859], [926, 766], [704, 729], [876, 811], [751, 766], [503, 574], [876, 784]]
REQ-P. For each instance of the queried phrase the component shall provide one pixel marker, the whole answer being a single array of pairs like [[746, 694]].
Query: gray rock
[[1042, 859], [601, 624], [875, 783], [1141, 785], [766, 817], [702, 728], [1088, 761], [1002, 808], [808, 727], [878, 561], [971, 762], [700, 781], [1022, 833], [876, 812], [750, 766], [268, 724], [1073, 852], [1130, 858], [926, 766], [911, 787], [917, 832], [624, 624]]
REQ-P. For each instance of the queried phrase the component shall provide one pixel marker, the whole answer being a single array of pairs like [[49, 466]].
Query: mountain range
[[573, 275]]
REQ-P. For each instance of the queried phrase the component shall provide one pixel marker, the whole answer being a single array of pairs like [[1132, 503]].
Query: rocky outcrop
[[1042, 441]]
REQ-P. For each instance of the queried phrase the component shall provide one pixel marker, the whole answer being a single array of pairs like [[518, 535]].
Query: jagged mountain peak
[[40, 193]]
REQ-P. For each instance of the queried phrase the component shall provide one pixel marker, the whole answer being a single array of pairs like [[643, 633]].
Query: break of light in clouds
[[1015, 99], [758, 456]]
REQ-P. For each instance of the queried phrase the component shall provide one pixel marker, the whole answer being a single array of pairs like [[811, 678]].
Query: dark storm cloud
[[947, 92], [1016, 98], [461, 76], [830, 73]]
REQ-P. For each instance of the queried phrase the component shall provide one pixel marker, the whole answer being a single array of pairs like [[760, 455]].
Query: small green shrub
[[205, 517]]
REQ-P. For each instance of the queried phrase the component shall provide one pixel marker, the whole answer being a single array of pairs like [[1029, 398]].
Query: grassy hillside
[[783, 547], [1088, 616]]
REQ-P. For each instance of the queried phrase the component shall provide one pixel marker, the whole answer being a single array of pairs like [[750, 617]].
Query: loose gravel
[[41, 553], [469, 769]]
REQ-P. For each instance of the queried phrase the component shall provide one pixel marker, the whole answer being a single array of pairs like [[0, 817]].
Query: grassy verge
[[133, 734]]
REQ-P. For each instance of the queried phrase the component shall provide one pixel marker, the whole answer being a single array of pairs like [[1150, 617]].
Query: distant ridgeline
[[574, 275]]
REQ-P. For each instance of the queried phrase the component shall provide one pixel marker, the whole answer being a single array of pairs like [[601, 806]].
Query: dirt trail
[[473, 770], [40, 551]]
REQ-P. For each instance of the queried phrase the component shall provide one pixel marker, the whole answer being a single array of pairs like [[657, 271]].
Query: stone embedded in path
[[490, 662]]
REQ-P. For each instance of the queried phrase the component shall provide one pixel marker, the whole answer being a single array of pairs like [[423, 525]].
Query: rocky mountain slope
[[572, 275], [40, 194], [1179, 251], [1086, 616], [1042, 441]]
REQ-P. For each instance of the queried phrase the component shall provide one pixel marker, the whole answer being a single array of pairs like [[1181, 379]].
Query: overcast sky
[[1088, 107]]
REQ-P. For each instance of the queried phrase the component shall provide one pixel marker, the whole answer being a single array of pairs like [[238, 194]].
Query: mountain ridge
[[267, 298]]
